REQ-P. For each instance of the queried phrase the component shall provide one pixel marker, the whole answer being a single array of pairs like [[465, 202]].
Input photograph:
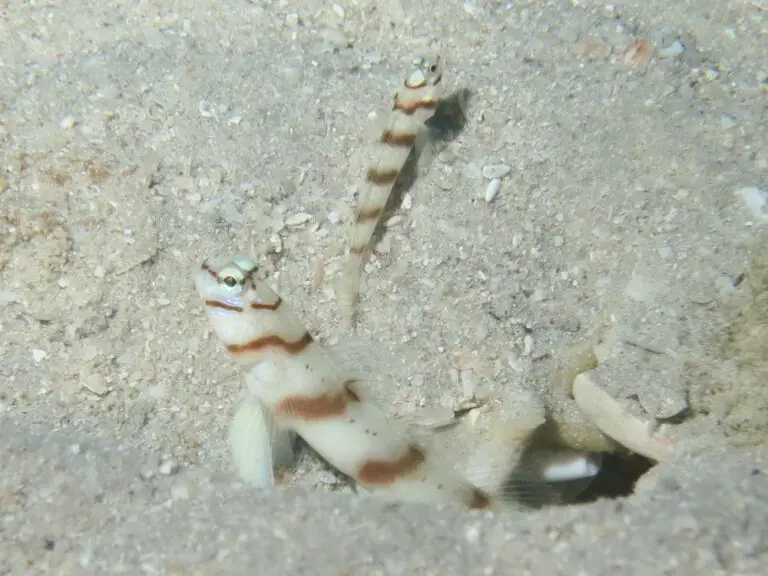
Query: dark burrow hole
[[617, 477], [618, 474]]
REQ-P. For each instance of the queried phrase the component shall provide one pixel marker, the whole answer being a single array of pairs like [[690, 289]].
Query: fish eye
[[433, 68], [231, 278]]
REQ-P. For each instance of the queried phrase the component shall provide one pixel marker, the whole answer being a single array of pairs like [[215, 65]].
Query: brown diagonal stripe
[[480, 500], [411, 107], [320, 407], [218, 304], [415, 86], [262, 306], [386, 472], [384, 177], [404, 139], [210, 270], [369, 214], [272, 341]]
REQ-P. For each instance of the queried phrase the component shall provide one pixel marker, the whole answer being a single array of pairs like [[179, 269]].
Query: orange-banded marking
[[211, 271], [263, 306], [308, 408], [381, 177], [409, 108], [223, 306], [371, 213], [424, 81], [399, 139], [273, 341], [386, 472]]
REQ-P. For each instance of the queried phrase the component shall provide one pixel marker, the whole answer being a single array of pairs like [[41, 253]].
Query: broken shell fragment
[[492, 190], [608, 415]]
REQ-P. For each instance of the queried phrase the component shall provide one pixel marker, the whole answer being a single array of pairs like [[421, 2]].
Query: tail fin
[[258, 444], [521, 468]]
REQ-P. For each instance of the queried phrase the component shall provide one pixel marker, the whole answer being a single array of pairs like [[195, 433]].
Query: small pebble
[[335, 37], [318, 275], [99, 271], [8, 298], [447, 156], [334, 217], [67, 122], [168, 466], [327, 478], [384, 247], [38, 355], [298, 219], [515, 363], [640, 53], [292, 20], [471, 9], [94, 383], [75, 449], [407, 203], [276, 243], [527, 345], [492, 190], [147, 474], [674, 49], [492, 171], [338, 10], [205, 109], [538, 295], [756, 201], [727, 122]]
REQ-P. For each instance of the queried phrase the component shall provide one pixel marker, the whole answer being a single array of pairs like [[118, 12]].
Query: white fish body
[[301, 384], [415, 103]]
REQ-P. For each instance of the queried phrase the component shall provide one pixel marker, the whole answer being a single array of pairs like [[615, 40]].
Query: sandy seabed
[[138, 138]]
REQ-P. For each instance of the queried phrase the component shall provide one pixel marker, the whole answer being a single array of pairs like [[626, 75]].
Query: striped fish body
[[302, 384], [415, 103]]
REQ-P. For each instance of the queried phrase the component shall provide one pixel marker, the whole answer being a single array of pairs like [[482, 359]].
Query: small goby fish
[[415, 103], [304, 387]]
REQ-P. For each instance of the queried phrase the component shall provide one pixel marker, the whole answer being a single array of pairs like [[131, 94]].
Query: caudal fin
[[529, 471]]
